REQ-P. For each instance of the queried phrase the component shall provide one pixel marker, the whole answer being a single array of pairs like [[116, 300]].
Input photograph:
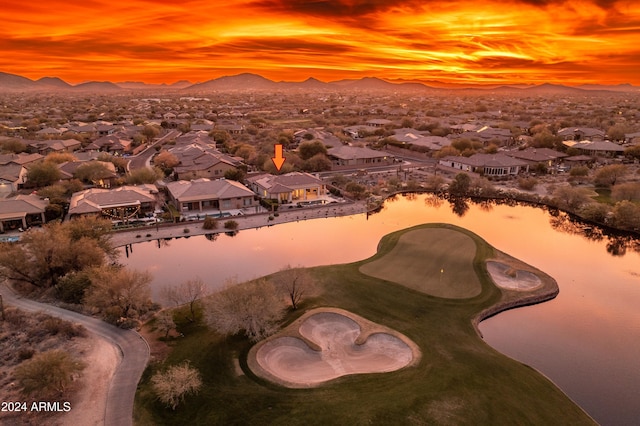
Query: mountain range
[[254, 82]]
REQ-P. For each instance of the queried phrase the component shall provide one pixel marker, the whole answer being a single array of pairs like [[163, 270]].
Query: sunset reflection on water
[[587, 340]]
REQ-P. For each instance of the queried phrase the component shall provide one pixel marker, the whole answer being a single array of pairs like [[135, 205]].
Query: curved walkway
[[133, 349]]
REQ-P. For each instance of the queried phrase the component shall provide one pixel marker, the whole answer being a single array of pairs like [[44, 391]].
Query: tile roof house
[[581, 133], [105, 178], [345, 155], [490, 165], [111, 143], [54, 145], [288, 187], [123, 203], [532, 156], [413, 137], [597, 148], [21, 159], [210, 196], [12, 177], [21, 212]]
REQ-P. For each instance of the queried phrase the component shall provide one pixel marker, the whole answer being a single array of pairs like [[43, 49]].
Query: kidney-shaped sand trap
[[325, 344], [509, 278]]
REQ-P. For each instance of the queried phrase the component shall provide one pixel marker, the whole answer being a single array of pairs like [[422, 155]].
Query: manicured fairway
[[458, 379], [436, 261]]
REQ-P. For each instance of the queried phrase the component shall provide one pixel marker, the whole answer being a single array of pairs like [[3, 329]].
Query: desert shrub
[[231, 224], [527, 183], [47, 374], [173, 385], [210, 223]]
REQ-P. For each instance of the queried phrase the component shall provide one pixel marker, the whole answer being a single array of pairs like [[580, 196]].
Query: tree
[[617, 132], [317, 163], [165, 323], [608, 175], [629, 191], [295, 283], [144, 175], [633, 152], [119, 293], [188, 292], [309, 149], [166, 160], [570, 198], [44, 256], [231, 225], [60, 157], [174, 384], [447, 151], [93, 171], [210, 223], [43, 173], [149, 132], [254, 308], [460, 184], [355, 189], [626, 215], [15, 146], [47, 374], [234, 174], [579, 171], [596, 212]]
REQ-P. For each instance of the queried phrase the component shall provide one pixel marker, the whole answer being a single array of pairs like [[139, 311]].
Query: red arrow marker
[[278, 160]]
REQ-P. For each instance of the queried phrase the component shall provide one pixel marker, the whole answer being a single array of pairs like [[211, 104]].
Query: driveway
[[133, 349]]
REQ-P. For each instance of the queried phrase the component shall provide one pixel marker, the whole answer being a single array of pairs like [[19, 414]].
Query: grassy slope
[[460, 380]]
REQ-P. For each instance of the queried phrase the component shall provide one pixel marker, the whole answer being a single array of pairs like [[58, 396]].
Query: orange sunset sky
[[161, 41]]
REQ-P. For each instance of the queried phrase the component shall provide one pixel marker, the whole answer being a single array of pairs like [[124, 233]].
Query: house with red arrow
[[287, 188]]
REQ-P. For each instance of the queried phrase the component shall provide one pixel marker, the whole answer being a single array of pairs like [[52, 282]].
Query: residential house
[[533, 156], [287, 188], [53, 145], [487, 134], [632, 138], [12, 177], [351, 156], [414, 137], [49, 132], [489, 165], [124, 203], [21, 159], [104, 177], [22, 212], [581, 133], [112, 144], [198, 162], [379, 122], [210, 196], [599, 148]]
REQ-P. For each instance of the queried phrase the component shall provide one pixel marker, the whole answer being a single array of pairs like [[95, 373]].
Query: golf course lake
[[586, 340]]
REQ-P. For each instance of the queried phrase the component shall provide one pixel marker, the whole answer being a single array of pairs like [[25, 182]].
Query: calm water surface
[[587, 340]]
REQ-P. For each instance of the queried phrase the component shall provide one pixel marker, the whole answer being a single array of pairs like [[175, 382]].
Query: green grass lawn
[[604, 196], [459, 380], [438, 262]]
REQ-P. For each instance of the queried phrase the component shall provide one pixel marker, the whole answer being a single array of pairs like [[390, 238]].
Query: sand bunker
[[512, 279], [327, 344]]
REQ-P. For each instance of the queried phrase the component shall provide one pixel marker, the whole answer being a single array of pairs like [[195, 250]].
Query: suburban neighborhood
[[85, 177]]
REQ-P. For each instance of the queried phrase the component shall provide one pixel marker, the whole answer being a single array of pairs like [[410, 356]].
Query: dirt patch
[[88, 407], [325, 344]]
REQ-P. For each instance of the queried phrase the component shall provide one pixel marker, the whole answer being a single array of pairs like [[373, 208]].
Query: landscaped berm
[[388, 340]]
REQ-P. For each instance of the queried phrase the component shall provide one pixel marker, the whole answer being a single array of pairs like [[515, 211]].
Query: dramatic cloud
[[518, 41]]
